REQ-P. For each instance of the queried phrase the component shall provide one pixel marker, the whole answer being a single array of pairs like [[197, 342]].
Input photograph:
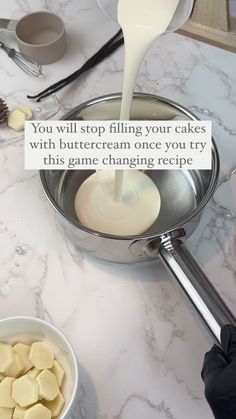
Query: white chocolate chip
[[6, 357], [23, 351], [26, 110], [16, 367], [6, 413], [6, 399], [48, 385], [41, 355], [16, 120], [25, 391], [38, 411], [55, 405], [19, 412], [58, 371], [34, 373]]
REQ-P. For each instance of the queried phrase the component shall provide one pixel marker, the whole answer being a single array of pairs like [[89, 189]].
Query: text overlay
[[93, 145]]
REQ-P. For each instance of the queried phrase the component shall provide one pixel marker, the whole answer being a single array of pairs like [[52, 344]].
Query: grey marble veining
[[139, 344]]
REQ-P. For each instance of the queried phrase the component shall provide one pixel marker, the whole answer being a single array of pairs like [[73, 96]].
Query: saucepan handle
[[196, 286]]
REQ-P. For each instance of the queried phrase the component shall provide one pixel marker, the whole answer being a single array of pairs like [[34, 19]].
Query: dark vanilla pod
[[3, 111], [110, 46]]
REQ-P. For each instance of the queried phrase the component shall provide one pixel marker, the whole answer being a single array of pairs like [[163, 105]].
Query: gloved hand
[[219, 375]]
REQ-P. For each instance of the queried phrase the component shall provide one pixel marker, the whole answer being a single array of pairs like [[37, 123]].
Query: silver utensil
[[27, 64]]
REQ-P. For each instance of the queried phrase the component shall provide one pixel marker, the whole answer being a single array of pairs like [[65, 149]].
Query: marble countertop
[[139, 345]]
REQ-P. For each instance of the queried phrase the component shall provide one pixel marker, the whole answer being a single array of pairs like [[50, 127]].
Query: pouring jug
[[183, 11]]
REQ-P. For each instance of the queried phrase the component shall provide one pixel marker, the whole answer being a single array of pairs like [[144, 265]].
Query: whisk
[[27, 64]]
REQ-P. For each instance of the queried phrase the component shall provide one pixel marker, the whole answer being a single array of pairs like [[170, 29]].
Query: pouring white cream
[[127, 202]]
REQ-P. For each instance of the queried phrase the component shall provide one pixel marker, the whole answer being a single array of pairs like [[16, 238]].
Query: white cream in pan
[[127, 202], [137, 210]]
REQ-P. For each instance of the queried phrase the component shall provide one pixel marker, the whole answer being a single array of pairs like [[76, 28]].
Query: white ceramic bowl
[[30, 329]]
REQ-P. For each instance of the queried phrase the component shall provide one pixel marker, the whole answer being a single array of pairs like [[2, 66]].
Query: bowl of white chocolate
[[38, 370]]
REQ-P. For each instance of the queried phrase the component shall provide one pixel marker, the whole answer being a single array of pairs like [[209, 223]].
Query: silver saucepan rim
[[214, 178]]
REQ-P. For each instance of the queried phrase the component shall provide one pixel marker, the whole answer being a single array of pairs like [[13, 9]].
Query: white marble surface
[[139, 347]]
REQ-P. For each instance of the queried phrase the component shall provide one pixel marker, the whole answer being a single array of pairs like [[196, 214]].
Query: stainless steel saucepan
[[184, 194]]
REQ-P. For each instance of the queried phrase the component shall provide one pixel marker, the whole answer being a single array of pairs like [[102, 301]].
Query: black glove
[[219, 375]]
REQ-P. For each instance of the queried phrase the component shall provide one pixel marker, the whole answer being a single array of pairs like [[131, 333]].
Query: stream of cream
[[142, 21], [131, 204]]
